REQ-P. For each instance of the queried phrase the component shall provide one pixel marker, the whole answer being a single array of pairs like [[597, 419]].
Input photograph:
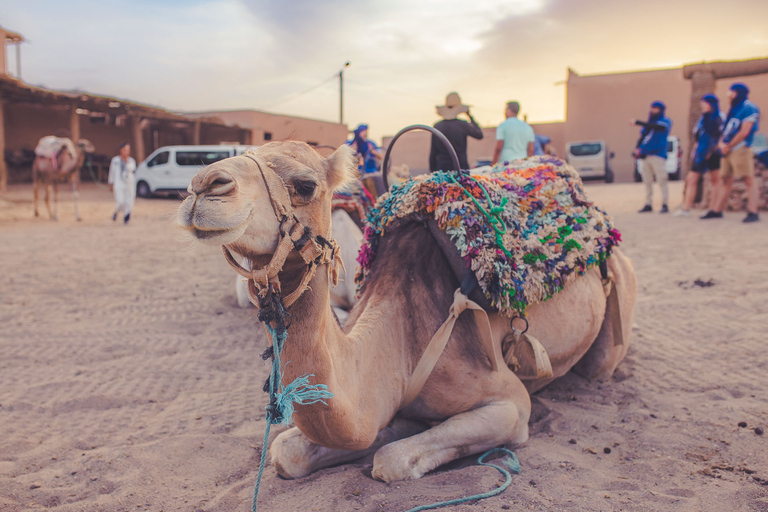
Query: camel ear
[[342, 168]]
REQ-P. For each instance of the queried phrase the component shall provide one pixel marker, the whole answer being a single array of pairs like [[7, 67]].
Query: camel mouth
[[203, 226]]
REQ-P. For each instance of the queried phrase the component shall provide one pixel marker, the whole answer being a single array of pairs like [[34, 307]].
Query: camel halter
[[315, 251]]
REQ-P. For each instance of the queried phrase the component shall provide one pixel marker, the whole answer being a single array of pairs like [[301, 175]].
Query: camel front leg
[[467, 433], [295, 456], [55, 201], [75, 196], [36, 192], [51, 214]]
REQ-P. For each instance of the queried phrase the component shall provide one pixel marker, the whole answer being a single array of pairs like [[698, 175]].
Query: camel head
[[86, 146], [230, 203]]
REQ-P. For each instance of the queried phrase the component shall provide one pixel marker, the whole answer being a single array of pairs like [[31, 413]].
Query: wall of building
[[600, 107], [271, 127]]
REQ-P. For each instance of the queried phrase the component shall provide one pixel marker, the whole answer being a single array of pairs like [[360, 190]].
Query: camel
[[67, 168], [464, 408]]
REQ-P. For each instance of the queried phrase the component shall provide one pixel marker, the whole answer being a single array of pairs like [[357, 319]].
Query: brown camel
[[67, 169], [465, 407]]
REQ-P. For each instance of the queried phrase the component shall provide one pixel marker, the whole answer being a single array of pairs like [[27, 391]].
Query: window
[[586, 149], [200, 157], [670, 146], [267, 135], [158, 159]]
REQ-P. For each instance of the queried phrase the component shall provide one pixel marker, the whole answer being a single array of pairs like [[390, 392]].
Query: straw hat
[[452, 108]]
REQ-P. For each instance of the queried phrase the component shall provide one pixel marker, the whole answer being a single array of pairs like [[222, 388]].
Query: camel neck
[[366, 365]]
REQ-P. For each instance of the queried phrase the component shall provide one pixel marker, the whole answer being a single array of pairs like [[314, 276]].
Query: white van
[[591, 159], [171, 168], [674, 160]]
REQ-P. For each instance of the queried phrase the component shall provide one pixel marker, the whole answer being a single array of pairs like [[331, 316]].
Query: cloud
[[405, 56]]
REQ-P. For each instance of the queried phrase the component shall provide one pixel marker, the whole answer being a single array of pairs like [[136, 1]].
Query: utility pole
[[341, 93]]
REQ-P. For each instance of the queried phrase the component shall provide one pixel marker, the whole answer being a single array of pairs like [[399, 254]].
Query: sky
[[284, 57]]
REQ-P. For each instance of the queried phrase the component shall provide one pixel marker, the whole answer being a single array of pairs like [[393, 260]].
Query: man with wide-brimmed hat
[[456, 131]]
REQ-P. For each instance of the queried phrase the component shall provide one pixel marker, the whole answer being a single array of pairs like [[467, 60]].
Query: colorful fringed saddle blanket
[[525, 229], [355, 198]]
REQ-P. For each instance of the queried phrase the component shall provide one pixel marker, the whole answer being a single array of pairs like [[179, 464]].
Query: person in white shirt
[[123, 182], [514, 138]]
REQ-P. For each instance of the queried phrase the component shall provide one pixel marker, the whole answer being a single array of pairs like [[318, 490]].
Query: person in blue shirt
[[367, 151], [651, 151], [706, 155], [736, 147], [540, 144], [514, 138]]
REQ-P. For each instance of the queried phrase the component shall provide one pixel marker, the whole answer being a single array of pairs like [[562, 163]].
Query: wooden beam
[[196, 132], [138, 138], [3, 166], [74, 124]]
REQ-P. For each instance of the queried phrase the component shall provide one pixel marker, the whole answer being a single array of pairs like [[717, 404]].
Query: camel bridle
[[264, 282]]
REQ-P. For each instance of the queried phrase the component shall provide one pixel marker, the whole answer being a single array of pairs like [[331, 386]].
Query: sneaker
[[681, 213], [751, 217], [646, 208], [664, 209], [127, 218], [712, 215]]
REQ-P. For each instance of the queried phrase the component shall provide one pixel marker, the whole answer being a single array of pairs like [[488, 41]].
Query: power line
[[299, 94], [392, 91]]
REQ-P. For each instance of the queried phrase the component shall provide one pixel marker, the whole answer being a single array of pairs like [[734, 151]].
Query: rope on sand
[[510, 461], [282, 398]]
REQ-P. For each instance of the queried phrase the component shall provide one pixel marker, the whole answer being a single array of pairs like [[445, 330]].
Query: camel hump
[[50, 146]]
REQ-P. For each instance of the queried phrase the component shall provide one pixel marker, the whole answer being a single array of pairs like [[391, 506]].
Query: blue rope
[[281, 402], [510, 461]]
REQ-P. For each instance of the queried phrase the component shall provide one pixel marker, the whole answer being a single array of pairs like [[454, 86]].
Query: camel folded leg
[[295, 456], [467, 433], [612, 342]]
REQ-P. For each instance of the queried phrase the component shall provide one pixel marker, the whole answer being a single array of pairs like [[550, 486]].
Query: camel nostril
[[216, 182]]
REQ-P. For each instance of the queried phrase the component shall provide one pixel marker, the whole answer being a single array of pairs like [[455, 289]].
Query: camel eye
[[304, 188]]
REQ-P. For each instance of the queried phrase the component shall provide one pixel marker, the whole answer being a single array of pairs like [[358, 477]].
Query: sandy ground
[[129, 380]]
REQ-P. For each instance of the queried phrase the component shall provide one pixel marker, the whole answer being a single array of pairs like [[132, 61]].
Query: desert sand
[[129, 379]]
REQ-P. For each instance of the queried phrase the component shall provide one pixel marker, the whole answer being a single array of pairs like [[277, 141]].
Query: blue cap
[[740, 88], [658, 104], [712, 100]]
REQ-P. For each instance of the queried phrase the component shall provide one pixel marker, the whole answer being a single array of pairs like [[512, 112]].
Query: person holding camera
[[456, 131], [651, 151]]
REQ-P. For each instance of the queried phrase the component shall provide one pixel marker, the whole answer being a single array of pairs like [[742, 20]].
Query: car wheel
[[142, 189], [609, 176]]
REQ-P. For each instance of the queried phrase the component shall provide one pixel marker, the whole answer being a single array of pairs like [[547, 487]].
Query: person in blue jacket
[[367, 151], [651, 151], [736, 147], [706, 155]]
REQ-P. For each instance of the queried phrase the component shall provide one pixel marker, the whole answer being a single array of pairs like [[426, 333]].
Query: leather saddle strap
[[437, 344], [278, 192], [613, 305]]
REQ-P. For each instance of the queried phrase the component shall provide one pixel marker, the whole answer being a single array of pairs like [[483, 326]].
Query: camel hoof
[[391, 465], [79, 219], [290, 454]]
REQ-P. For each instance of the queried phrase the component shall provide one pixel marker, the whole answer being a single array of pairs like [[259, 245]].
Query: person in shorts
[[736, 147], [706, 156]]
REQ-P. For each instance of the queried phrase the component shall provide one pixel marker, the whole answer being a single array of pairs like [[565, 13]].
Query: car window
[[586, 149], [158, 159], [670, 146], [200, 157]]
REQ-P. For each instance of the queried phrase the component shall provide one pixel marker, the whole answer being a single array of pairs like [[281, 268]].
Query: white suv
[[171, 168]]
